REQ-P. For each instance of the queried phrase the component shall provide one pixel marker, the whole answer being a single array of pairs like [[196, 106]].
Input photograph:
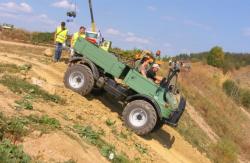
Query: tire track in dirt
[[33, 62], [47, 72]]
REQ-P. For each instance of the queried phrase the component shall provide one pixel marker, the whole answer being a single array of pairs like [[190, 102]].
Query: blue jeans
[[58, 52]]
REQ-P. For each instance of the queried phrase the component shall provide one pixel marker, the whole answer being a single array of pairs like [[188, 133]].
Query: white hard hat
[[156, 66]]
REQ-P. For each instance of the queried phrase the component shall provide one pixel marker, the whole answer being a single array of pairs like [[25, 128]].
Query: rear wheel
[[79, 78], [140, 116]]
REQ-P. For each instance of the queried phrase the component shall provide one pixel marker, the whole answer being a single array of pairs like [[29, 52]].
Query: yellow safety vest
[[61, 35], [76, 36]]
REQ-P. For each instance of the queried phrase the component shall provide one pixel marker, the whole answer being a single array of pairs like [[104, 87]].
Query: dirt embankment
[[166, 145]]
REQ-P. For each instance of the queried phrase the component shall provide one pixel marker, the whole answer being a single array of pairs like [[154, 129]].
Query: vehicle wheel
[[79, 78], [140, 116]]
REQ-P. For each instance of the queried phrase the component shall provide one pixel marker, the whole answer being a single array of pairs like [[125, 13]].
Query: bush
[[240, 95], [245, 98], [216, 57], [225, 151], [231, 89]]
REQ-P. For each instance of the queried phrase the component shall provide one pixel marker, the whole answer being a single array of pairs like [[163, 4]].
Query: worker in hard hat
[[151, 73], [79, 34], [60, 39], [140, 58]]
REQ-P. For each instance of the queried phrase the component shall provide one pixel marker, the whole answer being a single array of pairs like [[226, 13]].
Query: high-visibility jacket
[[61, 35], [76, 36]]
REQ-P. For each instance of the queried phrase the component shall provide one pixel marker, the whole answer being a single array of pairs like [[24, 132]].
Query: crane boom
[[92, 17]]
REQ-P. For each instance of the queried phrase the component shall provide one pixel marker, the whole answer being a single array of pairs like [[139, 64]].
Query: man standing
[[80, 33], [60, 39]]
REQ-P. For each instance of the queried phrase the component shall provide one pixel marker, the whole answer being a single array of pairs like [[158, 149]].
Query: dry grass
[[203, 89]]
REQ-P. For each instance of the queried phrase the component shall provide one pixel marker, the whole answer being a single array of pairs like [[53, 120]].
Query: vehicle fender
[[88, 63], [148, 99]]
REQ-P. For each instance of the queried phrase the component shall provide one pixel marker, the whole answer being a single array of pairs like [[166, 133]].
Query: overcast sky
[[174, 26]]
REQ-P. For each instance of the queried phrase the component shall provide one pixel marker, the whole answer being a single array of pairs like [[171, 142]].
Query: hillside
[[90, 128], [242, 76], [228, 123], [213, 128]]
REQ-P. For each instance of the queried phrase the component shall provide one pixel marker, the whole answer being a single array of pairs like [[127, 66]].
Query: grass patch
[[12, 126], [106, 149], [224, 151], [193, 134], [24, 104], [17, 127], [70, 161], [10, 68], [141, 148], [123, 135], [220, 113], [11, 153], [110, 122], [241, 96], [44, 122], [20, 86], [25, 67]]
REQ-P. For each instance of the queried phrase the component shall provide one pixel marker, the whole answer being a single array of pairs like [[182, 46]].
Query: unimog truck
[[147, 106]]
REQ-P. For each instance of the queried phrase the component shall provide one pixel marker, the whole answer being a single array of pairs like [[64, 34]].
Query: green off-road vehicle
[[147, 106]]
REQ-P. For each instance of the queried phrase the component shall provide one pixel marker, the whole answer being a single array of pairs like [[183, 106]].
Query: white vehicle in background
[[7, 26]]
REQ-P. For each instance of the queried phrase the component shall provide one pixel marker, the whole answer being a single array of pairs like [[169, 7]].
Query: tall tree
[[216, 57]]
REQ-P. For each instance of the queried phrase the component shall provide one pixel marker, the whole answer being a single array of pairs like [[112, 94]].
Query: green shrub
[[245, 98], [224, 151], [232, 89], [11, 153], [216, 57], [240, 95]]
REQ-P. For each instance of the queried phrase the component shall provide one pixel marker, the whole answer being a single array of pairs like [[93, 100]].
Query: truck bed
[[103, 59]]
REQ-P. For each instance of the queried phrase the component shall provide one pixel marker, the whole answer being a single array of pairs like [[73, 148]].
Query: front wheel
[[79, 78], [140, 116]]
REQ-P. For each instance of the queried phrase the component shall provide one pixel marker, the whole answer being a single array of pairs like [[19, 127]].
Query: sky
[[173, 26]]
